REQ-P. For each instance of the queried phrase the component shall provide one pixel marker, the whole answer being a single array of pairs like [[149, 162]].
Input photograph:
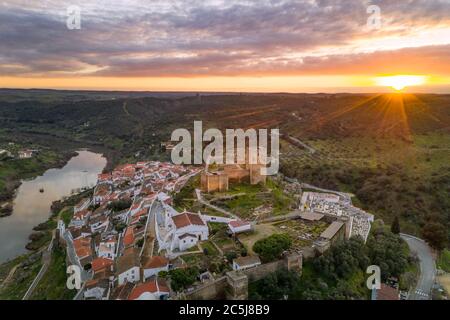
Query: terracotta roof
[[135, 206], [122, 292], [83, 252], [104, 274], [101, 263], [82, 247], [238, 223], [387, 293], [129, 260], [246, 261], [104, 176], [80, 215], [141, 212], [128, 238], [156, 262], [75, 232], [78, 243], [93, 283], [186, 219], [151, 286]]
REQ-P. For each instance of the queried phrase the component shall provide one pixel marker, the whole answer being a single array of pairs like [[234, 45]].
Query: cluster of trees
[[183, 278], [343, 260], [272, 247], [436, 234], [383, 248], [120, 205], [340, 272], [276, 286]]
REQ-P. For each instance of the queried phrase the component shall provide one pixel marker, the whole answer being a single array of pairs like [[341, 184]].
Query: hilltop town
[[132, 240]]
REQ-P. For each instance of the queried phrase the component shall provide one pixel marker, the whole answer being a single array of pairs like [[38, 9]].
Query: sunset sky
[[224, 45]]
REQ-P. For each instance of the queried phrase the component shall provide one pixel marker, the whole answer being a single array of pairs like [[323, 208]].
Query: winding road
[[427, 267]]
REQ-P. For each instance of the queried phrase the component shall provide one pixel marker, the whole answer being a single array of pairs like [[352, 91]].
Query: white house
[[178, 231], [97, 289], [189, 229], [107, 249], [186, 241], [99, 223], [128, 268], [155, 265], [79, 218], [154, 289], [238, 226], [248, 262], [25, 154]]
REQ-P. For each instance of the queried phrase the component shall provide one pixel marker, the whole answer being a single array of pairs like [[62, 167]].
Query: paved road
[[150, 233], [301, 143], [85, 275], [427, 268]]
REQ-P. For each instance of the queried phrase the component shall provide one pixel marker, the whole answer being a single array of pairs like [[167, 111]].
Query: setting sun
[[401, 81]]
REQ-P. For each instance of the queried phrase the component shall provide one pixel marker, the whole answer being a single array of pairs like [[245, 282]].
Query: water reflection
[[32, 207]]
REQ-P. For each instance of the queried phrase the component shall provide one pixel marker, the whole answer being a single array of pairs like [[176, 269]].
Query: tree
[[343, 259], [272, 247], [395, 226], [276, 286], [436, 235], [230, 255], [120, 205], [388, 251], [182, 278]]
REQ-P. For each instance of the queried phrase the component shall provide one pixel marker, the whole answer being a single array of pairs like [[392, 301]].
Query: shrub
[[182, 278], [230, 255], [272, 247]]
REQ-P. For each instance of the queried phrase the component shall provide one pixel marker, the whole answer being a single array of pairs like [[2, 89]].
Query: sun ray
[[321, 121]]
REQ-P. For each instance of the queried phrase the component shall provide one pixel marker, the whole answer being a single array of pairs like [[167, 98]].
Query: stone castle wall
[[222, 287]]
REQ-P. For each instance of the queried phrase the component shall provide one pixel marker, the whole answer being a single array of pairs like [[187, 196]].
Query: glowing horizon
[[400, 82], [218, 45], [307, 84]]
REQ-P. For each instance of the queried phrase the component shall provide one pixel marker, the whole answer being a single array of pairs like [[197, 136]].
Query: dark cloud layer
[[182, 38]]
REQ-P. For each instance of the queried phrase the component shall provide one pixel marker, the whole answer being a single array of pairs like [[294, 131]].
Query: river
[[32, 207]]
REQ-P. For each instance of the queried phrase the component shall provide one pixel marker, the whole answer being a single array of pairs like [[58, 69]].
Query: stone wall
[[214, 182], [209, 291], [236, 173], [232, 285], [263, 270]]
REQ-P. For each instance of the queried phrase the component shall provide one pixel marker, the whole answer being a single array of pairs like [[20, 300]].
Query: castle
[[219, 180]]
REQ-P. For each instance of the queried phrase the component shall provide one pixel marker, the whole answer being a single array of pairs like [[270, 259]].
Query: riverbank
[[17, 275], [33, 207], [14, 171]]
